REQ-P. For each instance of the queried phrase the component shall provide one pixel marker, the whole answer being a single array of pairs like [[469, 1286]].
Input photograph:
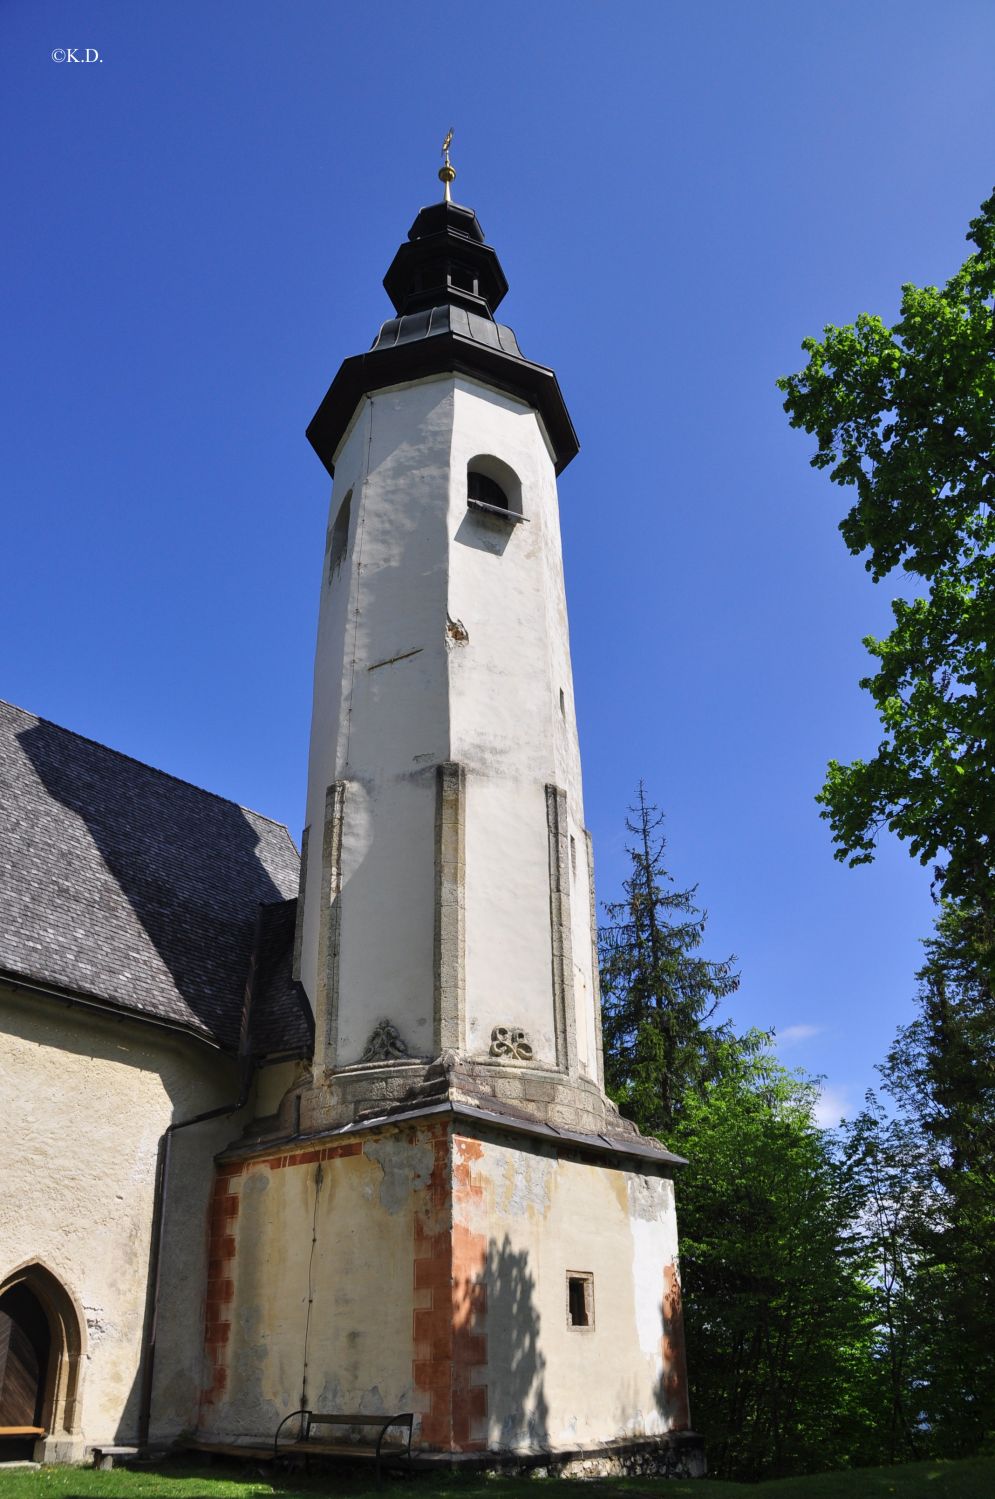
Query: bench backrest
[[318, 1418]]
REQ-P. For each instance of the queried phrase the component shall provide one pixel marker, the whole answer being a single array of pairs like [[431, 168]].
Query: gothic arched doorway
[[40, 1349]]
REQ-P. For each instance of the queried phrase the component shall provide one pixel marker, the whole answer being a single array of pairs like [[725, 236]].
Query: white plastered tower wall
[[513, 726], [379, 728], [443, 639]]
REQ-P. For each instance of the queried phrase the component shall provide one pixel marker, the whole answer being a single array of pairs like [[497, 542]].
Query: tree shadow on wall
[[671, 1391], [496, 1339]]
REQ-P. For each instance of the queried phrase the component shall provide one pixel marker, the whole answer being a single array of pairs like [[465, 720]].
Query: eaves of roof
[[445, 352]]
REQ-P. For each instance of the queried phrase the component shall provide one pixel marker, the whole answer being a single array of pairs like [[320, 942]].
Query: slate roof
[[121, 883]]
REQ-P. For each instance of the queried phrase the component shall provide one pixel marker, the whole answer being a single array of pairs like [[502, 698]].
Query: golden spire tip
[[447, 172]]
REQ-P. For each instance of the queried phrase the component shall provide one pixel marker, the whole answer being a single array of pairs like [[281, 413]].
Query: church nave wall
[[86, 1100]]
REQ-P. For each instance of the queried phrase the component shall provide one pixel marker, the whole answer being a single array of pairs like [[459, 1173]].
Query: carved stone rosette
[[513, 1045]]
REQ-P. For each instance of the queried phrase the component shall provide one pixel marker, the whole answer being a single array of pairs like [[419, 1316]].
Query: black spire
[[445, 260], [445, 284]]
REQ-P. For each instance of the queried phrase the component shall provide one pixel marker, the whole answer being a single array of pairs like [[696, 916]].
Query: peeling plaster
[[650, 1197], [96, 1325], [256, 1183], [527, 1183], [406, 1167], [648, 1301], [331, 1397]]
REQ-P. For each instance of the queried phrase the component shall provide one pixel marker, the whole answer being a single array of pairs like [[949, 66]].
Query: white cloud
[[790, 1035], [832, 1105]]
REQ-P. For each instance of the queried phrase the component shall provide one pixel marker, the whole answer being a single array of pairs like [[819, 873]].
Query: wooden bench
[[305, 1444]]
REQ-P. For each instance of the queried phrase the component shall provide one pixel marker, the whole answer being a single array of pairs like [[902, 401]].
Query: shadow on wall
[[185, 880], [485, 533], [672, 1387], [497, 1308]]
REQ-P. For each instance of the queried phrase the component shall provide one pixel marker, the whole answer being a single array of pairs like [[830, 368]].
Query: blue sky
[[196, 228]]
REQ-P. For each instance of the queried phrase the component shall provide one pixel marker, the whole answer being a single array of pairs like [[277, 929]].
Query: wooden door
[[25, 1343]]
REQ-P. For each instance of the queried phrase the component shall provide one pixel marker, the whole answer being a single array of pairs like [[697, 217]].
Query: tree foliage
[[903, 416], [839, 1287], [778, 1311], [895, 1193], [941, 1073], [659, 995], [777, 1306], [925, 1169]]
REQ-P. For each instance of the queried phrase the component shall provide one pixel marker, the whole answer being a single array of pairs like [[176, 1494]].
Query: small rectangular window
[[580, 1298]]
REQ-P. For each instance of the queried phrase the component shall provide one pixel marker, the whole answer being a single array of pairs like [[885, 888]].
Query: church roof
[[123, 885]]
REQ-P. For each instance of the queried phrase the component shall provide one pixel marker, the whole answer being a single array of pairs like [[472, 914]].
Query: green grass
[[970, 1479]]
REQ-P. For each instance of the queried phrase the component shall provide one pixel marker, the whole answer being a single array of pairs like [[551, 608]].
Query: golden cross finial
[[447, 172]]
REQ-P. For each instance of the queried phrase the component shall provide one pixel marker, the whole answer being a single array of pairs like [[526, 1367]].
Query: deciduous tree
[[897, 1198], [904, 417], [778, 1307], [941, 1073]]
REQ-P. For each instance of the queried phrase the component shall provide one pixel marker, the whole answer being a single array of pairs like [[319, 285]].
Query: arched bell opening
[[41, 1346], [493, 486]]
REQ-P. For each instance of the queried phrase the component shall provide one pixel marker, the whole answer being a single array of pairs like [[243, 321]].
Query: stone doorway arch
[[43, 1331]]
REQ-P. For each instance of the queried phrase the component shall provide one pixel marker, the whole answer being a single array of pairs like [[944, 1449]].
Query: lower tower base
[[678, 1454], [513, 1285]]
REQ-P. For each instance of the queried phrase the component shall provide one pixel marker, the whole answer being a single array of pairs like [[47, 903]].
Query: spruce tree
[[659, 996]]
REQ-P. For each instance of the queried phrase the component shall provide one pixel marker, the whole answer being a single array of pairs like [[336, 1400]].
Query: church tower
[[447, 896], [448, 1215]]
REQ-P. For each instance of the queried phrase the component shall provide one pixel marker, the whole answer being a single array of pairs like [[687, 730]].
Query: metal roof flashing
[[614, 1147]]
